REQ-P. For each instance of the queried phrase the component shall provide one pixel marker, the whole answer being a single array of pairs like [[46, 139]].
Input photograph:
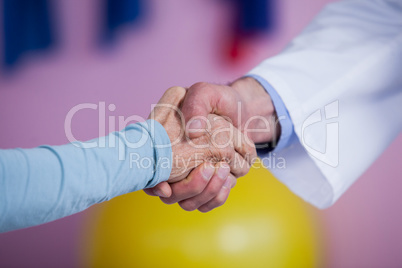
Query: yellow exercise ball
[[261, 225]]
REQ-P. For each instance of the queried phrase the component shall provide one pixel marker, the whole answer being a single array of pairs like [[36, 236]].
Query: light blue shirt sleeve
[[287, 130], [50, 182]]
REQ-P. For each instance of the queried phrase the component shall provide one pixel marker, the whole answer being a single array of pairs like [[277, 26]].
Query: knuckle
[[222, 127], [243, 171], [212, 192], [193, 190], [188, 205], [234, 182], [250, 149], [199, 85], [204, 209], [228, 153], [167, 201], [195, 185], [220, 200], [212, 205]]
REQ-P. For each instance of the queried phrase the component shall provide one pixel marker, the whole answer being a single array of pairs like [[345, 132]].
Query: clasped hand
[[207, 159]]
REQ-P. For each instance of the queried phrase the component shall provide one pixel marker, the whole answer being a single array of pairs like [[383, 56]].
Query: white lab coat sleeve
[[341, 81]]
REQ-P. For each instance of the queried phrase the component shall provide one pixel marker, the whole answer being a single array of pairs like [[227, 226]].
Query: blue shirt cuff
[[287, 130], [162, 151]]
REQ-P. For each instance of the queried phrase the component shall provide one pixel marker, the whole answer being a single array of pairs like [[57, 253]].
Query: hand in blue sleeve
[[50, 182]]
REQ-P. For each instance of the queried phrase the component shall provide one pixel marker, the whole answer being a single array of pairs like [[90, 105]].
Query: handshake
[[213, 130]]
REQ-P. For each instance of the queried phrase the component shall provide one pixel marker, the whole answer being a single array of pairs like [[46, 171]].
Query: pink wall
[[179, 43]]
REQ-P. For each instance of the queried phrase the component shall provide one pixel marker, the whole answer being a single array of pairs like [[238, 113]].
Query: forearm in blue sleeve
[[50, 182]]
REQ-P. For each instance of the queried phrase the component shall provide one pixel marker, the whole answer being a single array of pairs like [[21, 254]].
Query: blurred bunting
[[26, 27], [119, 13]]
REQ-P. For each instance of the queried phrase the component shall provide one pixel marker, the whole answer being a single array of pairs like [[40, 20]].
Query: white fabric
[[345, 68]]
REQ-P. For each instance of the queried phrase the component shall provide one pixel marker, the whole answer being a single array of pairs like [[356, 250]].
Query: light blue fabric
[[50, 182], [287, 130]]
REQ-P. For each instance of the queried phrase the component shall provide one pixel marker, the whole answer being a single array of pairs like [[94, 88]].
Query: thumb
[[171, 100], [173, 95]]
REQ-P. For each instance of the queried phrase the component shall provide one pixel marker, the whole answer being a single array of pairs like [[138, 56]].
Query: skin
[[202, 99], [205, 167]]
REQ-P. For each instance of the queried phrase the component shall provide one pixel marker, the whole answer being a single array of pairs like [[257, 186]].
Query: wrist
[[259, 120]]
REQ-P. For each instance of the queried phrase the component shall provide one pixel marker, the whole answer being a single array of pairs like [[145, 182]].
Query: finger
[[244, 146], [234, 181], [203, 99], [212, 189], [171, 99], [221, 198], [238, 150], [244, 156], [239, 166], [163, 189], [191, 186]]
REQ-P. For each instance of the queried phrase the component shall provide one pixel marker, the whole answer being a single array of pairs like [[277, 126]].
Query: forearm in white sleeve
[[341, 82]]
